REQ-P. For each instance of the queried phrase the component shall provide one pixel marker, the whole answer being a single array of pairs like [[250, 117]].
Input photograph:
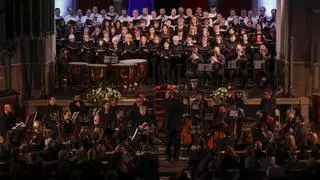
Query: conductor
[[173, 123]]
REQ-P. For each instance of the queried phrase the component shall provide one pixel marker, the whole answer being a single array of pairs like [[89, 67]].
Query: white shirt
[[163, 18], [253, 19], [58, 17], [101, 18], [212, 16], [113, 16], [230, 19], [93, 16], [69, 17], [125, 19], [147, 18], [84, 19]]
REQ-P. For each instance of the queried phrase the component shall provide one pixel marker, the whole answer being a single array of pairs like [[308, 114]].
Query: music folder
[[110, 60], [258, 64], [232, 65], [205, 67]]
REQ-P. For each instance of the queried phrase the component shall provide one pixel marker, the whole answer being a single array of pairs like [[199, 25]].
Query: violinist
[[242, 66], [209, 113], [267, 109], [52, 108], [119, 125], [197, 107], [143, 118], [77, 105], [67, 126], [7, 121], [222, 118], [106, 115]]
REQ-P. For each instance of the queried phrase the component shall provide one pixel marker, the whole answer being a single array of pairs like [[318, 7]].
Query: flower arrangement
[[222, 95], [96, 96], [112, 94], [242, 94]]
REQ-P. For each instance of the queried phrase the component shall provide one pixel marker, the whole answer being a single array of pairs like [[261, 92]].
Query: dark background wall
[[224, 5], [305, 25]]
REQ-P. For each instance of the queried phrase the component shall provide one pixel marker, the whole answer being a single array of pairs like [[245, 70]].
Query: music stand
[[110, 60], [205, 67]]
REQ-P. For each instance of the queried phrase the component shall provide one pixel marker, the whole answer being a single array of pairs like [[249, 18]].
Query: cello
[[186, 138]]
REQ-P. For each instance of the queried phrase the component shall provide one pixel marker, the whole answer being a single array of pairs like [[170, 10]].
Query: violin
[[186, 138]]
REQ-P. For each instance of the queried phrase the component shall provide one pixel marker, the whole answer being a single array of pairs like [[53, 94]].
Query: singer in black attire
[[173, 123], [176, 59]]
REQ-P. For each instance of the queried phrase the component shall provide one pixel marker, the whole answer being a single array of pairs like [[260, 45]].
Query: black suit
[[173, 123], [7, 122]]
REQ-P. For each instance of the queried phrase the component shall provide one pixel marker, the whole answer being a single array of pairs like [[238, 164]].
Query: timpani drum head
[[129, 61], [78, 63], [97, 65]]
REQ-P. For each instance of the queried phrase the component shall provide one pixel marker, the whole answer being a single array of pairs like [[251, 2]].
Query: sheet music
[[258, 64], [232, 65]]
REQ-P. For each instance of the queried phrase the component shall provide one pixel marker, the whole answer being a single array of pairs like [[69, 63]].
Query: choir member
[[115, 48], [173, 17], [101, 52], [192, 62], [265, 73], [154, 50], [218, 62], [162, 15], [205, 49], [176, 53], [129, 48], [112, 14], [73, 48], [242, 66], [145, 16], [166, 62], [87, 49]]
